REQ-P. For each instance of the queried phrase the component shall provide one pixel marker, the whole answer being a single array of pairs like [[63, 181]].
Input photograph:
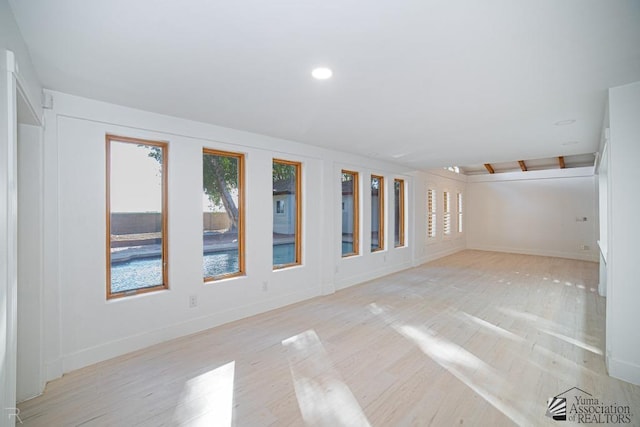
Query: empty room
[[290, 213]]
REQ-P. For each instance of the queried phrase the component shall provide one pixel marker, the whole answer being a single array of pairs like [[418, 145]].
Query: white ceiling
[[425, 83]]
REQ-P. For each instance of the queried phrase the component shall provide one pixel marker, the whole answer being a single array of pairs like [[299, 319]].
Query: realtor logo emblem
[[578, 406], [557, 408]]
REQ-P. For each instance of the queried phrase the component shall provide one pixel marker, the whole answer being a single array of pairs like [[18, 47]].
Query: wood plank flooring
[[476, 338]]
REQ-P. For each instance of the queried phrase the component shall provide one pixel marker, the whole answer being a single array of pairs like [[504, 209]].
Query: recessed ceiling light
[[565, 122], [570, 143], [322, 73]]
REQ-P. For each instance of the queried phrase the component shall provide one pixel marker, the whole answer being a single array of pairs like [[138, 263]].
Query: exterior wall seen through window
[[350, 214], [287, 213]]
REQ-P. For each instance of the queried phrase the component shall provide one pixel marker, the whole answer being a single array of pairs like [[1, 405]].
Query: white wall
[[30, 378], [440, 180], [82, 327], [534, 213], [623, 268], [7, 260], [17, 82]]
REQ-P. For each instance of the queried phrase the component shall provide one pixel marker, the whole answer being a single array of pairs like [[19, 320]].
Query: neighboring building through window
[[431, 213], [377, 213], [446, 215], [398, 231], [223, 214], [459, 212], [349, 182], [287, 217], [136, 216]]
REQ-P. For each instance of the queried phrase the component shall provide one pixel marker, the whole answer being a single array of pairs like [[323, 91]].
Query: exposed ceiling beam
[[561, 162], [489, 167], [522, 165]]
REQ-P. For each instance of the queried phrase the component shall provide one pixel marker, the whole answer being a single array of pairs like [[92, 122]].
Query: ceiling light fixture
[[322, 73], [565, 122]]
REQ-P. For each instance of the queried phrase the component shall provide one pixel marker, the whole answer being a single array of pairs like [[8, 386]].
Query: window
[[398, 231], [350, 214], [431, 213], [459, 212], [287, 213], [136, 216], [223, 214], [446, 218], [377, 213]]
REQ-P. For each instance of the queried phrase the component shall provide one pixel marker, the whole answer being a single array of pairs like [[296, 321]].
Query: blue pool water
[[147, 272], [347, 248], [136, 274]]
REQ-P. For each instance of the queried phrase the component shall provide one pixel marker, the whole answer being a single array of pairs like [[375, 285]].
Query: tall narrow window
[[431, 213], [446, 216], [286, 213], [377, 213], [223, 214], [459, 212], [398, 231], [350, 214], [136, 216]]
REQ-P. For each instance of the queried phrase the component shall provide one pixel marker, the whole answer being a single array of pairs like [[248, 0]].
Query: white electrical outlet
[[265, 286], [193, 301]]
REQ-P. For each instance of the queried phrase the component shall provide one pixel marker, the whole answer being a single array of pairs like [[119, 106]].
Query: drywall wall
[[440, 180], [30, 379], [623, 268], [536, 213], [19, 94], [7, 259], [82, 327]]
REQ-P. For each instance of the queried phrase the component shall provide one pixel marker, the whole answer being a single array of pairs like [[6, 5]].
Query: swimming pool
[[147, 272]]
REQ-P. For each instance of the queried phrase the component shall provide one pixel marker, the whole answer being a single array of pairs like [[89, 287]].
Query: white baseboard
[[99, 353], [581, 256], [370, 275], [436, 255], [623, 370]]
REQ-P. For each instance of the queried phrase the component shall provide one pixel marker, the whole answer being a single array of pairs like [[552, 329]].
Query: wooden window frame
[[164, 146], [298, 236], [432, 229], [241, 204], [381, 242], [356, 213], [401, 228], [446, 214]]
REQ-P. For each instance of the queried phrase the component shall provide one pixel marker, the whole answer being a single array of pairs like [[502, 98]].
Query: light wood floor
[[476, 338]]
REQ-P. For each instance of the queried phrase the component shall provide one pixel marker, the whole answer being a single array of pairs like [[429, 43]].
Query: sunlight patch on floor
[[573, 341], [490, 326], [207, 400], [324, 399], [530, 318], [462, 364]]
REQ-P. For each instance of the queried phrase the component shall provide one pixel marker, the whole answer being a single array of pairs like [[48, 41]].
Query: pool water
[[147, 272], [136, 274]]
